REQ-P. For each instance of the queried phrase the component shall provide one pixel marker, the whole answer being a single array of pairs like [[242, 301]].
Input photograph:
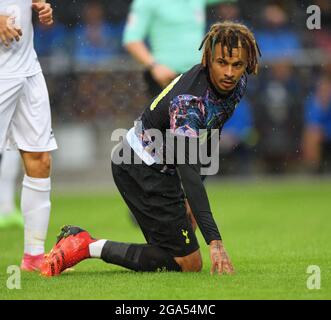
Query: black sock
[[138, 257]]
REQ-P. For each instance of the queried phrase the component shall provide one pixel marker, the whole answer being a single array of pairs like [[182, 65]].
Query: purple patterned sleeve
[[187, 114]]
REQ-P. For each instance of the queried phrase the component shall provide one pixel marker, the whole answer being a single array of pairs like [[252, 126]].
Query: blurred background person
[[173, 30], [49, 39], [10, 215], [322, 38], [278, 111], [317, 133], [227, 10], [52, 44], [236, 141], [276, 37], [97, 40]]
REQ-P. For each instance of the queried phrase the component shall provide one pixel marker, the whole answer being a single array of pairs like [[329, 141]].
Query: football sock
[[96, 248], [9, 169], [36, 206], [138, 257]]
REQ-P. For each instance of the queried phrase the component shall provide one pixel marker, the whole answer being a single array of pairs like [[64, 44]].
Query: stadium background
[[95, 89], [273, 207]]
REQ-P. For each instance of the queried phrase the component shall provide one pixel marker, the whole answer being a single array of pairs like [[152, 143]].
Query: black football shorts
[[156, 200]]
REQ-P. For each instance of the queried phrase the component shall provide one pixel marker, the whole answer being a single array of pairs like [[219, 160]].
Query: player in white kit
[[25, 118]]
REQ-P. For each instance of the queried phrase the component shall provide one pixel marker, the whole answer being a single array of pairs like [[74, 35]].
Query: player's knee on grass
[[37, 164], [191, 262], [156, 259]]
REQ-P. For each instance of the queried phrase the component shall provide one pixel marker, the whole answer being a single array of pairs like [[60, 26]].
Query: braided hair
[[231, 35]]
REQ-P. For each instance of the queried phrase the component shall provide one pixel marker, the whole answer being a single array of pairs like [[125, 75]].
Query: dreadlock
[[231, 35]]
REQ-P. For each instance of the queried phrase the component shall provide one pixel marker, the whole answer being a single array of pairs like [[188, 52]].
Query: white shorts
[[25, 115]]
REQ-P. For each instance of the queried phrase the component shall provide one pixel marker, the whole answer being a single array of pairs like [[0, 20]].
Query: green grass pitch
[[272, 231]]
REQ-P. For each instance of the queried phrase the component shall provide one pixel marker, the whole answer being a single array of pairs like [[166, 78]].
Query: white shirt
[[20, 59], [138, 148]]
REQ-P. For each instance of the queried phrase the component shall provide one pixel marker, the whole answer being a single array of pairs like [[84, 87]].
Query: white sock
[[9, 170], [96, 248], [36, 207]]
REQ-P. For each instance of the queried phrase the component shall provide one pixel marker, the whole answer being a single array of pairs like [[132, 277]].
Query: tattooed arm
[[219, 258]]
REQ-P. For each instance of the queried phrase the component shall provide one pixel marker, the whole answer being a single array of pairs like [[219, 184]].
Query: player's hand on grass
[[8, 31], [219, 258], [44, 11], [162, 75]]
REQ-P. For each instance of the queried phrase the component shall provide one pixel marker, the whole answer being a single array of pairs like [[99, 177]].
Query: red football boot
[[72, 247]]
